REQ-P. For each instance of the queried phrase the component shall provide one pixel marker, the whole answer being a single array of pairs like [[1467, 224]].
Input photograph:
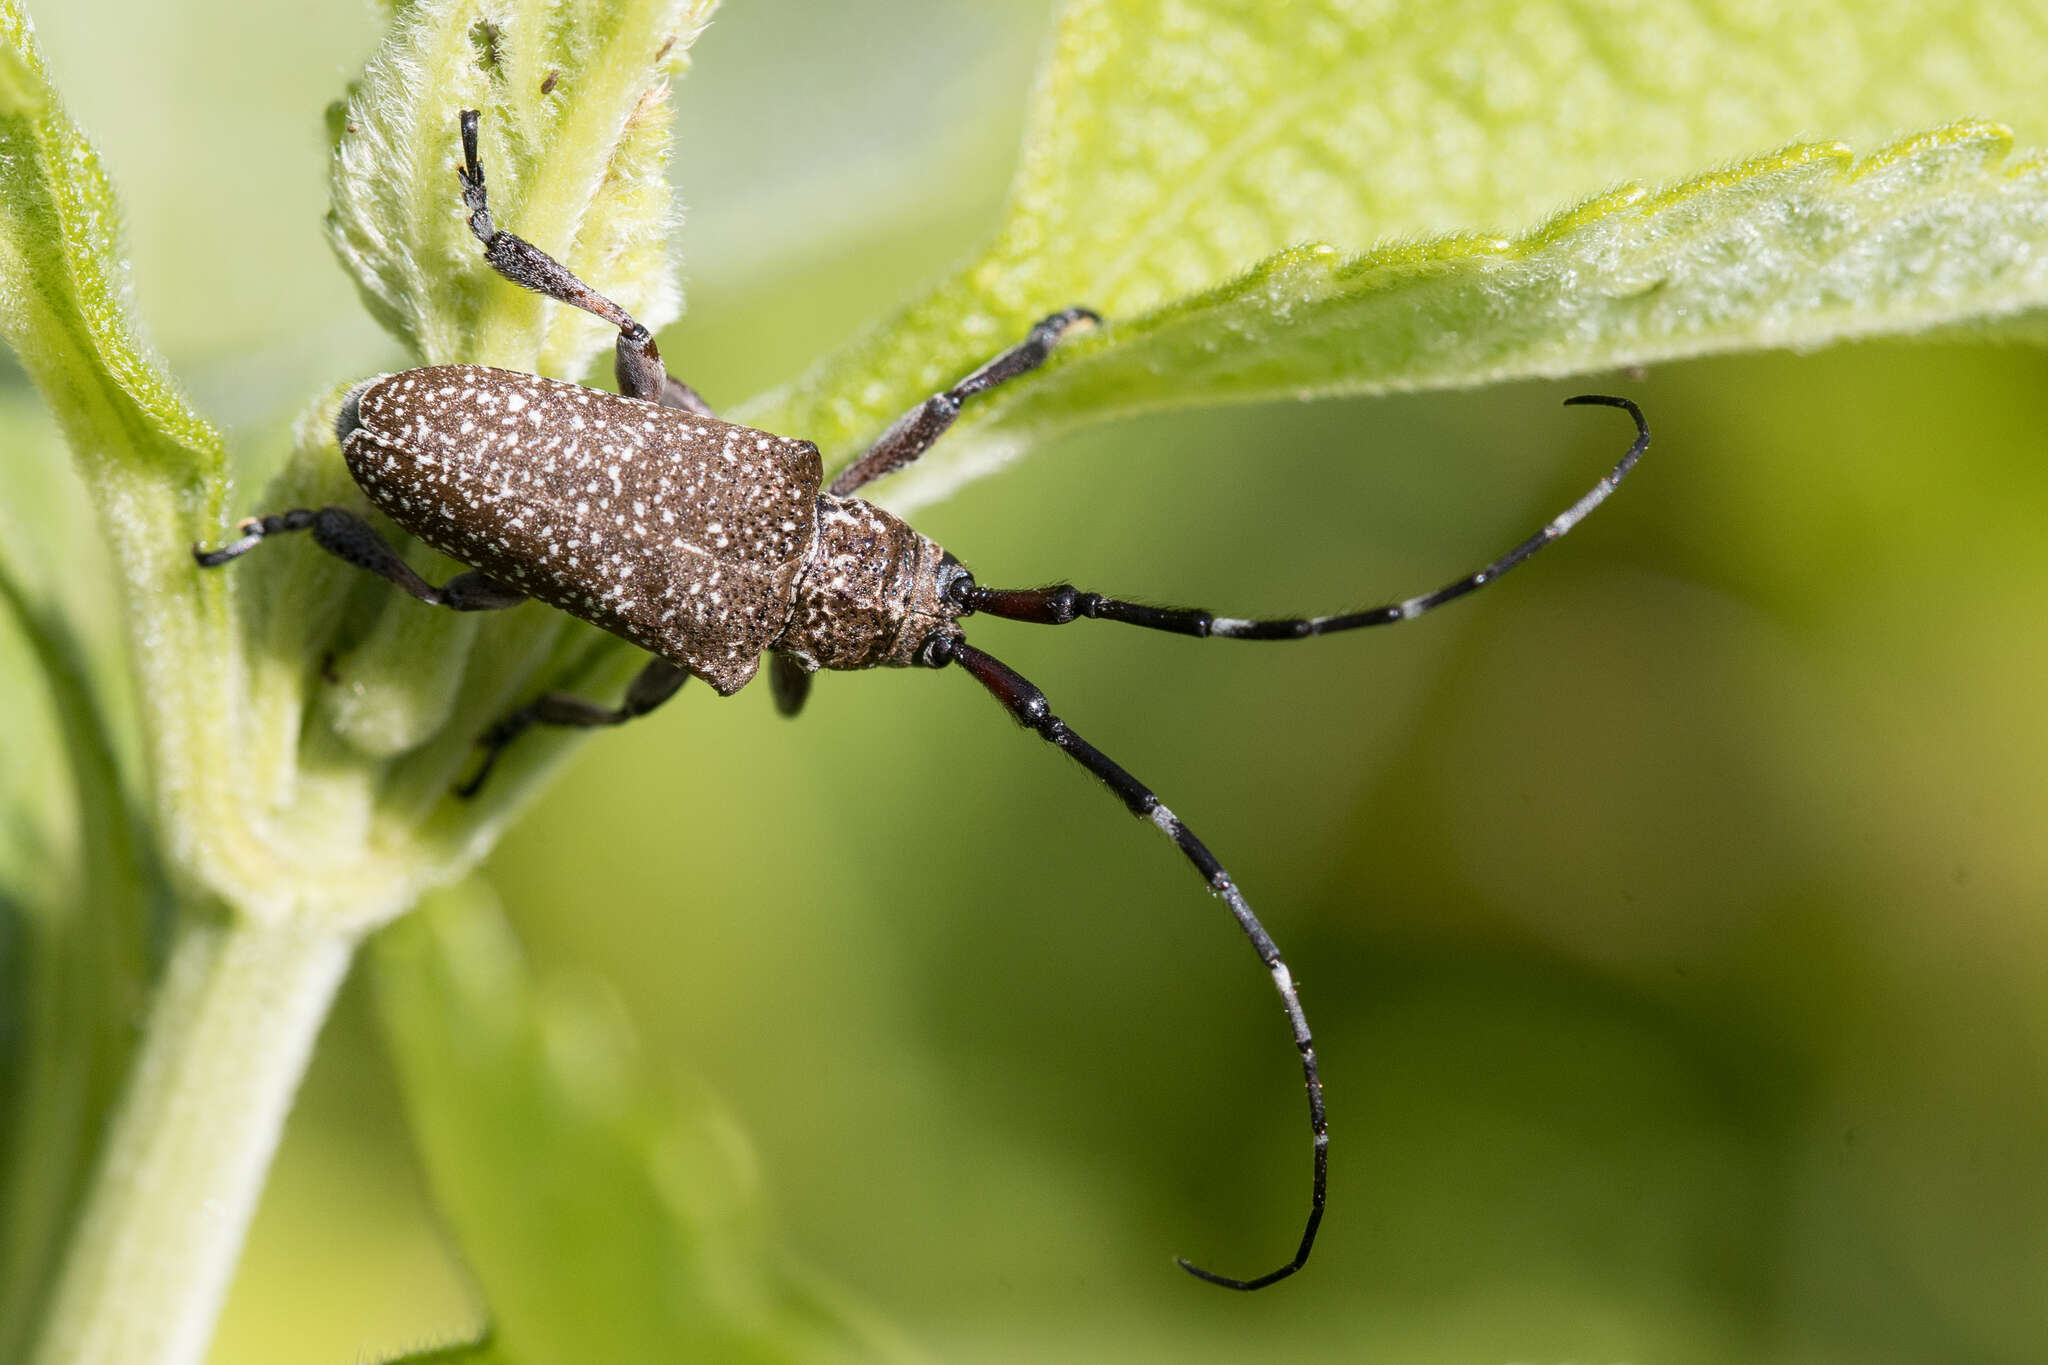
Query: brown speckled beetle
[[709, 544]]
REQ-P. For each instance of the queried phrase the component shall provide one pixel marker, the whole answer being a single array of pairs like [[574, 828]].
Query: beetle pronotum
[[709, 544]]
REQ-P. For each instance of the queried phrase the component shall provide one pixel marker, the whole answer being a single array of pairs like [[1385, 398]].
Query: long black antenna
[[1063, 602], [1032, 710]]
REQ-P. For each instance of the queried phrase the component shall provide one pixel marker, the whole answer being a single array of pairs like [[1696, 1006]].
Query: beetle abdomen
[[680, 533]]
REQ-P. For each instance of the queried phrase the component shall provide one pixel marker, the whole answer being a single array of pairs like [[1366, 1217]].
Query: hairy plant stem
[[228, 1037]]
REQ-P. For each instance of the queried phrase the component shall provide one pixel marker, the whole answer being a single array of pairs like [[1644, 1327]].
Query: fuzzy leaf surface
[[1178, 146], [575, 136]]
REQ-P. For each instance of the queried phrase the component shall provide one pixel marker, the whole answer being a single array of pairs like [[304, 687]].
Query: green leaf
[[1175, 142], [483, 1352], [64, 292], [1176, 145], [1798, 249], [605, 1216]]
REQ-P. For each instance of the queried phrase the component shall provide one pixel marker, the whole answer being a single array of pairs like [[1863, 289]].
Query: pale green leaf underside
[[540, 1128], [1798, 249], [1175, 144]]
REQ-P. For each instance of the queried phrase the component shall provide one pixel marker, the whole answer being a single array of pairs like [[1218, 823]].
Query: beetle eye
[[349, 419]]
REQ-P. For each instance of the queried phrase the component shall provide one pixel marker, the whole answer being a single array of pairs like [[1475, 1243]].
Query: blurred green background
[[1671, 916]]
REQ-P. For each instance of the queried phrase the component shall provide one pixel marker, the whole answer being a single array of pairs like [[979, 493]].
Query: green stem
[[229, 1033]]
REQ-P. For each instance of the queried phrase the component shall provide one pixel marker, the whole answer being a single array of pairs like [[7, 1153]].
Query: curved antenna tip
[[1246, 1286], [1608, 400]]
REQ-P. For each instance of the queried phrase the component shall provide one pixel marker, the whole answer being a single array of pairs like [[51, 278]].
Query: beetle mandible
[[709, 544]]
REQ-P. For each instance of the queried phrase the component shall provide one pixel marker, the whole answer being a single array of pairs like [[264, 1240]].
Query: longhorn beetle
[[708, 544]]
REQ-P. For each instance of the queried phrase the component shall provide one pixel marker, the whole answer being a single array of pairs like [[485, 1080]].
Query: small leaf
[[64, 291], [604, 1216], [575, 137]]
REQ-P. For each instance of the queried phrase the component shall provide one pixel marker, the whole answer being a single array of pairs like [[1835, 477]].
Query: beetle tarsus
[[651, 686]]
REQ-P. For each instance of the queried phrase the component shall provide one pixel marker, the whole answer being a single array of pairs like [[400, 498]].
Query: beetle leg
[[912, 434], [652, 686], [347, 536], [789, 679], [676, 394], [638, 364]]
